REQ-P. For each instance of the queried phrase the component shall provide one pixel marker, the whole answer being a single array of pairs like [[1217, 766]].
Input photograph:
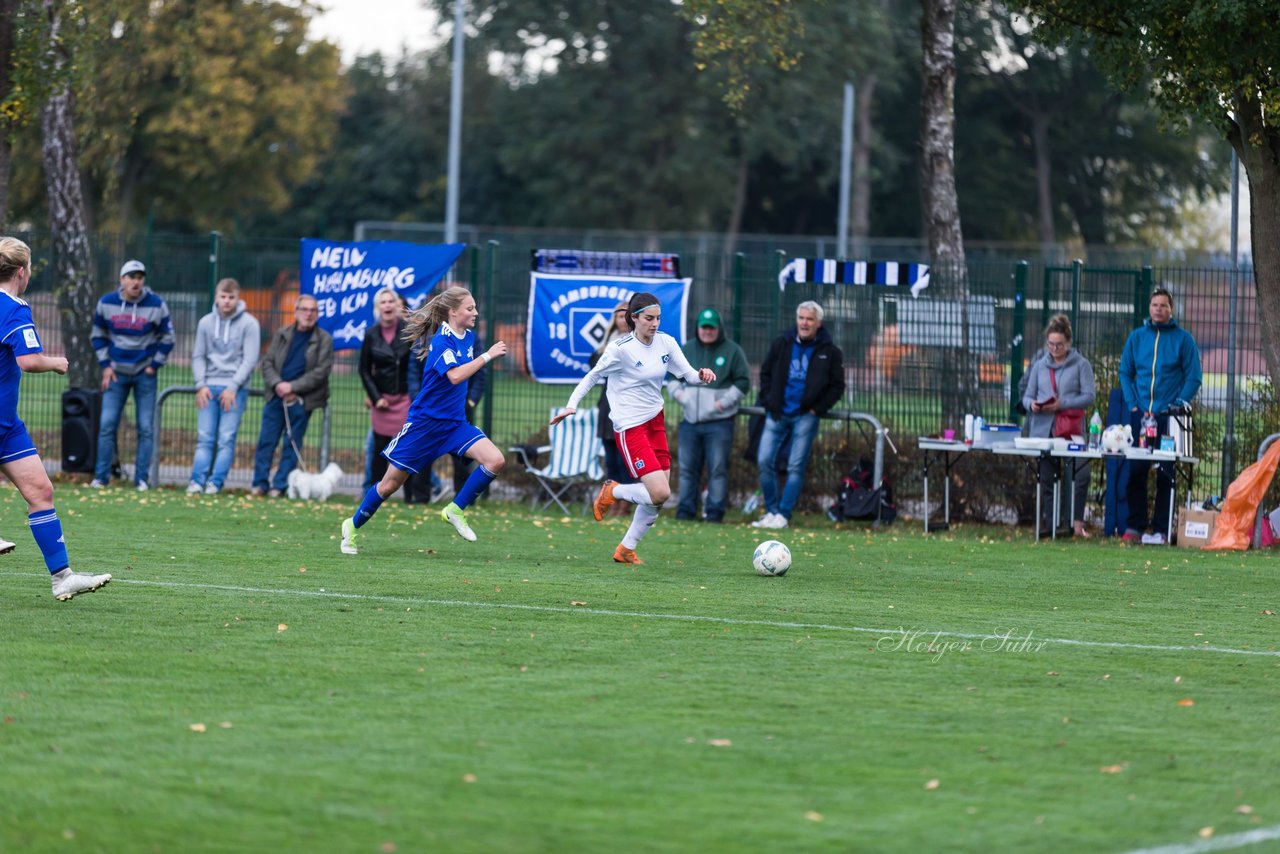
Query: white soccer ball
[[772, 558]]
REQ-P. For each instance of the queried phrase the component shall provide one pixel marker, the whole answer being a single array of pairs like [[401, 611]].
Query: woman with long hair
[[635, 366], [21, 351], [384, 372], [437, 423]]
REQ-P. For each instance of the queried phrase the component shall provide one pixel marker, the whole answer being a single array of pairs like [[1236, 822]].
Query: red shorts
[[644, 447]]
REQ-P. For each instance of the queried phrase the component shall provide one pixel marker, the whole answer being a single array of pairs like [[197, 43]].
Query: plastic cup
[[949, 435]]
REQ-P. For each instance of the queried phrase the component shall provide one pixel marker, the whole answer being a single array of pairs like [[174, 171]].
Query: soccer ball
[[772, 558]]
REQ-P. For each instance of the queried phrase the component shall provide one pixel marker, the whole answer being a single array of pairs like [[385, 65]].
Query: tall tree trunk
[[7, 8], [1044, 167], [863, 133], [739, 205], [72, 257], [1257, 142], [959, 377]]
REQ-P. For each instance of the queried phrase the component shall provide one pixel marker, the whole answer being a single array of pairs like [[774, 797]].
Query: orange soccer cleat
[[604, 500], [622, 554]]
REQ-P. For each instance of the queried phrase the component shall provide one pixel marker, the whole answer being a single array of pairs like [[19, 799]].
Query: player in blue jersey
[[437, 421], [20, 350]]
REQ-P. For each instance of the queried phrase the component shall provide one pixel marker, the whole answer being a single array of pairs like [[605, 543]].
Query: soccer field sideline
[[894, 634]]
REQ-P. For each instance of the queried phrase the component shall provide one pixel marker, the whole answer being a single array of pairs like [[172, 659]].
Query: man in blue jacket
[[132, 336], [1159, 372]]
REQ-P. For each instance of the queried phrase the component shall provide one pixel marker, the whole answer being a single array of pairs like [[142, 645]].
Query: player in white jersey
[[636, 366]]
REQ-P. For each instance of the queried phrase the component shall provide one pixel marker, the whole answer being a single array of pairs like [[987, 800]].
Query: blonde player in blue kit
[[635, 366], [437, 421], [20, 350]]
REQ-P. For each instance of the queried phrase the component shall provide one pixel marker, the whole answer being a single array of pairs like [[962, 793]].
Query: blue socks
[[372, 501], [477, 481], [47, 530]]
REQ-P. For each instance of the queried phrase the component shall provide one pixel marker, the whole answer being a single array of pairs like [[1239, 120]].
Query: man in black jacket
[[800, 380]]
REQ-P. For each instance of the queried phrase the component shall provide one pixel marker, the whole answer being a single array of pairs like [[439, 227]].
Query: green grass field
[[241, 686]]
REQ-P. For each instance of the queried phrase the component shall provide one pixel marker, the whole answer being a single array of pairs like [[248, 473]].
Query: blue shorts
[[15, 442], [419, 444]]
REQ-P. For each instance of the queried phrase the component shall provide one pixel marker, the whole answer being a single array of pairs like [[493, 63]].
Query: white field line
[[916, 633], [1219, 843]]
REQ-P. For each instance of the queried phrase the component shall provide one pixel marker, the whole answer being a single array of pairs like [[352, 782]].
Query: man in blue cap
[[706, 433]]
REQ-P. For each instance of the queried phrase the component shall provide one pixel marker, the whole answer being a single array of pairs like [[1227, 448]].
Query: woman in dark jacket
[[384, 371], [614, 466]]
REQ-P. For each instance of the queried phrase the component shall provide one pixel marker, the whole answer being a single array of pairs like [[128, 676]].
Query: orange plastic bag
[[1234, 529]]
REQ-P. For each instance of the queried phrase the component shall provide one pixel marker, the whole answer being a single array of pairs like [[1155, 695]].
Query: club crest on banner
[[570, 315]]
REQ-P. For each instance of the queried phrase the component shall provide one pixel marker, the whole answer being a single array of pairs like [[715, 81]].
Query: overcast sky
[[363, 26]]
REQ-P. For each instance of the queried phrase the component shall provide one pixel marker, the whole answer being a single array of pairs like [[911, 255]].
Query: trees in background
[[222, 114], [1216, 62]]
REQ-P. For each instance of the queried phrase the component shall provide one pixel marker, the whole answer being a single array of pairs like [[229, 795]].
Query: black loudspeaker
[[81, 414]]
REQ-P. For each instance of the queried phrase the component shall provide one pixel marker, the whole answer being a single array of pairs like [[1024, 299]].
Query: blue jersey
[[439, 398], [18, 337]]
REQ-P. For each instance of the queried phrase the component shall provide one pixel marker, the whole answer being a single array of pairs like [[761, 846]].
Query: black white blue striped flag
[[827, 271]]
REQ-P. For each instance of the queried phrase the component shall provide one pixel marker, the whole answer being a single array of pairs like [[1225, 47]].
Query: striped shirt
[[130, 337]]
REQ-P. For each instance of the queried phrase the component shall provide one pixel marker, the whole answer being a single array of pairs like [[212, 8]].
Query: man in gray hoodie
[[228, 341], [706, 433]]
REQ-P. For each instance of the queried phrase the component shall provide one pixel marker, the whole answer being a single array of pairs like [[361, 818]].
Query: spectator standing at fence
[[384, 372], [228, 340], [615, 467], [1159, 372], [1060, 380], [801, 379], [437, 423], [296, 370], [21, 351], [635, 366], [706, 431], [132, 336]]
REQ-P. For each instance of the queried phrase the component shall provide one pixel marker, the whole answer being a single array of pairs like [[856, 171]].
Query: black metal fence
[[898, 350]]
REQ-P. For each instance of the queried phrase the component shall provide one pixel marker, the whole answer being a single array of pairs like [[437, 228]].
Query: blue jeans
[[273, 428], [213, 424], [802, 429], [709, 442], [143, 386]]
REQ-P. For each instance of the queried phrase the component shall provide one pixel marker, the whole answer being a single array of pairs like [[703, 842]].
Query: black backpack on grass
[[855, 498]]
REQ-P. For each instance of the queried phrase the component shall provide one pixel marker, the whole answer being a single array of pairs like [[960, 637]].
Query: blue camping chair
[[575, 451]]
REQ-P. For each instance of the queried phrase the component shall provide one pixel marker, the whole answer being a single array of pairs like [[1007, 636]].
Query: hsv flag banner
[[825, 271], [570, 316], [589, 262], [343, 277]]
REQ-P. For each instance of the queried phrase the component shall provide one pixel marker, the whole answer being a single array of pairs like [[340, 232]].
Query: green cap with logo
[[709, 317]]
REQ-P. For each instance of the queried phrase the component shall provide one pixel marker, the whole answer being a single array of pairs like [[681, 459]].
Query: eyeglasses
[[1056, 345]]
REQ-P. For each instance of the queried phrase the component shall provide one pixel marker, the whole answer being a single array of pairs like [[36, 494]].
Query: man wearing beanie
[[706, 433]]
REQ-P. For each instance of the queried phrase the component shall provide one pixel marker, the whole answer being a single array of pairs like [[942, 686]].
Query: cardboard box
[[1195, 527]]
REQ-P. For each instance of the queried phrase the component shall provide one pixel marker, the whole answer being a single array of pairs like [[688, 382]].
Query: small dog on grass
[[314, 487]]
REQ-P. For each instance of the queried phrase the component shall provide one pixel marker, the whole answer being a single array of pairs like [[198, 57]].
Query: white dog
[[314, 487]]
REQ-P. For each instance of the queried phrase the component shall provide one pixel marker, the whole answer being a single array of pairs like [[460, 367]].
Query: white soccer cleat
[[69, 585], [6, 546], [765, 521], [453, 514], [194, 488], [96, 484], [1156, 539], [349, 534], [779, 521]]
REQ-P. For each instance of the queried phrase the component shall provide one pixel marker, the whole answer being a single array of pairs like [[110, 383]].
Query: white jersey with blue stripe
[[635, 372], [18, 337], [438, 397]]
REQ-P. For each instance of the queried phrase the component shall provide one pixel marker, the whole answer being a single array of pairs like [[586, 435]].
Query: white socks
[[641, 522], [636, 493]]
